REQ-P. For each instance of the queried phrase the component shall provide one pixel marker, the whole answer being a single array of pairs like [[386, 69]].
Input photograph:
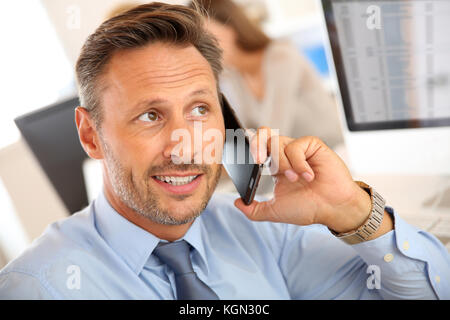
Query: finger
[[298, 152], [251, 135], [258, 144], [279, 162], [291, 175], [256, 211]]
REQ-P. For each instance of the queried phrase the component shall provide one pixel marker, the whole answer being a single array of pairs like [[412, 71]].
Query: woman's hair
[[249, 36]]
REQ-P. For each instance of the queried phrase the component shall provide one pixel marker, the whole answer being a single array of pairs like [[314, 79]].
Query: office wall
[[283, 16], [72, 31], [32, 195], [2, 260]]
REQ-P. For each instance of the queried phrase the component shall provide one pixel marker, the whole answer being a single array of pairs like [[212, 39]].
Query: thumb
[[256, 211]]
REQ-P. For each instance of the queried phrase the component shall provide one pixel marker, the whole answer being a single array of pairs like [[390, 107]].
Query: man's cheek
[[141, 171], [213, 146]]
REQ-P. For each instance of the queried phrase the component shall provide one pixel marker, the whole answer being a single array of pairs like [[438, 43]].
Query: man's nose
[[180, 145]]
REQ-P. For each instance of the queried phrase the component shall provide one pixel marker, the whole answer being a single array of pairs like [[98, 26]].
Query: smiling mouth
[[177, 180]]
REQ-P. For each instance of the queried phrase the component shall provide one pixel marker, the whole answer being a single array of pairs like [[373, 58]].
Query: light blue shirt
[[98, 254]]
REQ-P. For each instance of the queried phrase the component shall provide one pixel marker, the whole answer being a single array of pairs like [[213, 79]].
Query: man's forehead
[[155, 75], [159, 62]]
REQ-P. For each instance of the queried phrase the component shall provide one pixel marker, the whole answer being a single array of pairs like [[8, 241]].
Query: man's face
[[151, 92]]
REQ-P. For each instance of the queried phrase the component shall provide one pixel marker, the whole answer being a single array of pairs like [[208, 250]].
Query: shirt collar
[[132, 243]]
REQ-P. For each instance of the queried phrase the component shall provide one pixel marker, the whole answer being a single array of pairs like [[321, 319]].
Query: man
[[158, 232]]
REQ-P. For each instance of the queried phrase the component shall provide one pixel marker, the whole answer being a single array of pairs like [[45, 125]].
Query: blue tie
[[189, 287]]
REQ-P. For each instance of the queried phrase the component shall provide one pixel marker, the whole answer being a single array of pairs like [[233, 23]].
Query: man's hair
[[249, 35], [138, 27]]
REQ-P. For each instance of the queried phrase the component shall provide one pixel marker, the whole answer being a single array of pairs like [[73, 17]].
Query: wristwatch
[[373, 222]]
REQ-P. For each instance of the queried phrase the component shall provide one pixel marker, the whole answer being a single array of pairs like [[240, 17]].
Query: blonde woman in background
[[267, 81]]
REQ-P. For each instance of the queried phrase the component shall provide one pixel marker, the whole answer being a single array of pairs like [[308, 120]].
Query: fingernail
[[291, 175], [262, 157], [307, 176]]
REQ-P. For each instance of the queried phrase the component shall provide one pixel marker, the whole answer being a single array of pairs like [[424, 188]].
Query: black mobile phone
[[237, 158]]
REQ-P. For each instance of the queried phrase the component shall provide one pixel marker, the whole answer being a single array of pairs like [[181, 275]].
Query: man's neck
[[164, 232]]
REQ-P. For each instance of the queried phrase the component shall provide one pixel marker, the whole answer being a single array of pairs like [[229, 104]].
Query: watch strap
[[372, 223]]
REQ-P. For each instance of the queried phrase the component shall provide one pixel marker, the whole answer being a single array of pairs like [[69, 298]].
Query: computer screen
[[392, 61], [52, 136]]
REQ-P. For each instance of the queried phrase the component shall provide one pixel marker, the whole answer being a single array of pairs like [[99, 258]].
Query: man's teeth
[[176, 181]]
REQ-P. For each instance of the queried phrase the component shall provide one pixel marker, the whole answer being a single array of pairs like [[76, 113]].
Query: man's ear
[[88, 134]]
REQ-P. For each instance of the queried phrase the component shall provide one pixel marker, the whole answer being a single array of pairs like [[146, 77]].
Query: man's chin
[[179, 208], [176, 218], [186, 210]]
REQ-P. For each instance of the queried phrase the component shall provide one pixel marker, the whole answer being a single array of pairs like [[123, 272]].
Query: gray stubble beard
[[146, 204]]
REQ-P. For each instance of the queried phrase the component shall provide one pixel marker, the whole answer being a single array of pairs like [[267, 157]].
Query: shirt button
[[438, 279], [389, 257], [406, 245]]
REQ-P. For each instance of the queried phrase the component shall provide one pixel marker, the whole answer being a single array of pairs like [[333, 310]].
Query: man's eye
[[151, 116], [199, 111]]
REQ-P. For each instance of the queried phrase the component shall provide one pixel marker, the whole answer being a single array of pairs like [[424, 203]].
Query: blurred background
[[45, 175]]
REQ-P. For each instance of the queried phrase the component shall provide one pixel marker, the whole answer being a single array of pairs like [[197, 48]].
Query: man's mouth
[[179, 184], [176, 180]]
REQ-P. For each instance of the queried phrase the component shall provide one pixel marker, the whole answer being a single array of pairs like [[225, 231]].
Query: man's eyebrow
[[200, 92], [152, 102]]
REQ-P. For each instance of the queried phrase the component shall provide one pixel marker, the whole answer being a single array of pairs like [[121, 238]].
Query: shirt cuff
[[402, 253]]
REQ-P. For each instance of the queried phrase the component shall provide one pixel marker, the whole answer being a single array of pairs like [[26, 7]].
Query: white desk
[[423, 201]]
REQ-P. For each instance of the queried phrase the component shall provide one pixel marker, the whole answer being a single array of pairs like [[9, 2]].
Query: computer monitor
[[52, 136], [391, 60]]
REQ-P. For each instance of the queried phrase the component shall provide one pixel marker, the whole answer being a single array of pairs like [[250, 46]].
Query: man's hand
[[313, 186]]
